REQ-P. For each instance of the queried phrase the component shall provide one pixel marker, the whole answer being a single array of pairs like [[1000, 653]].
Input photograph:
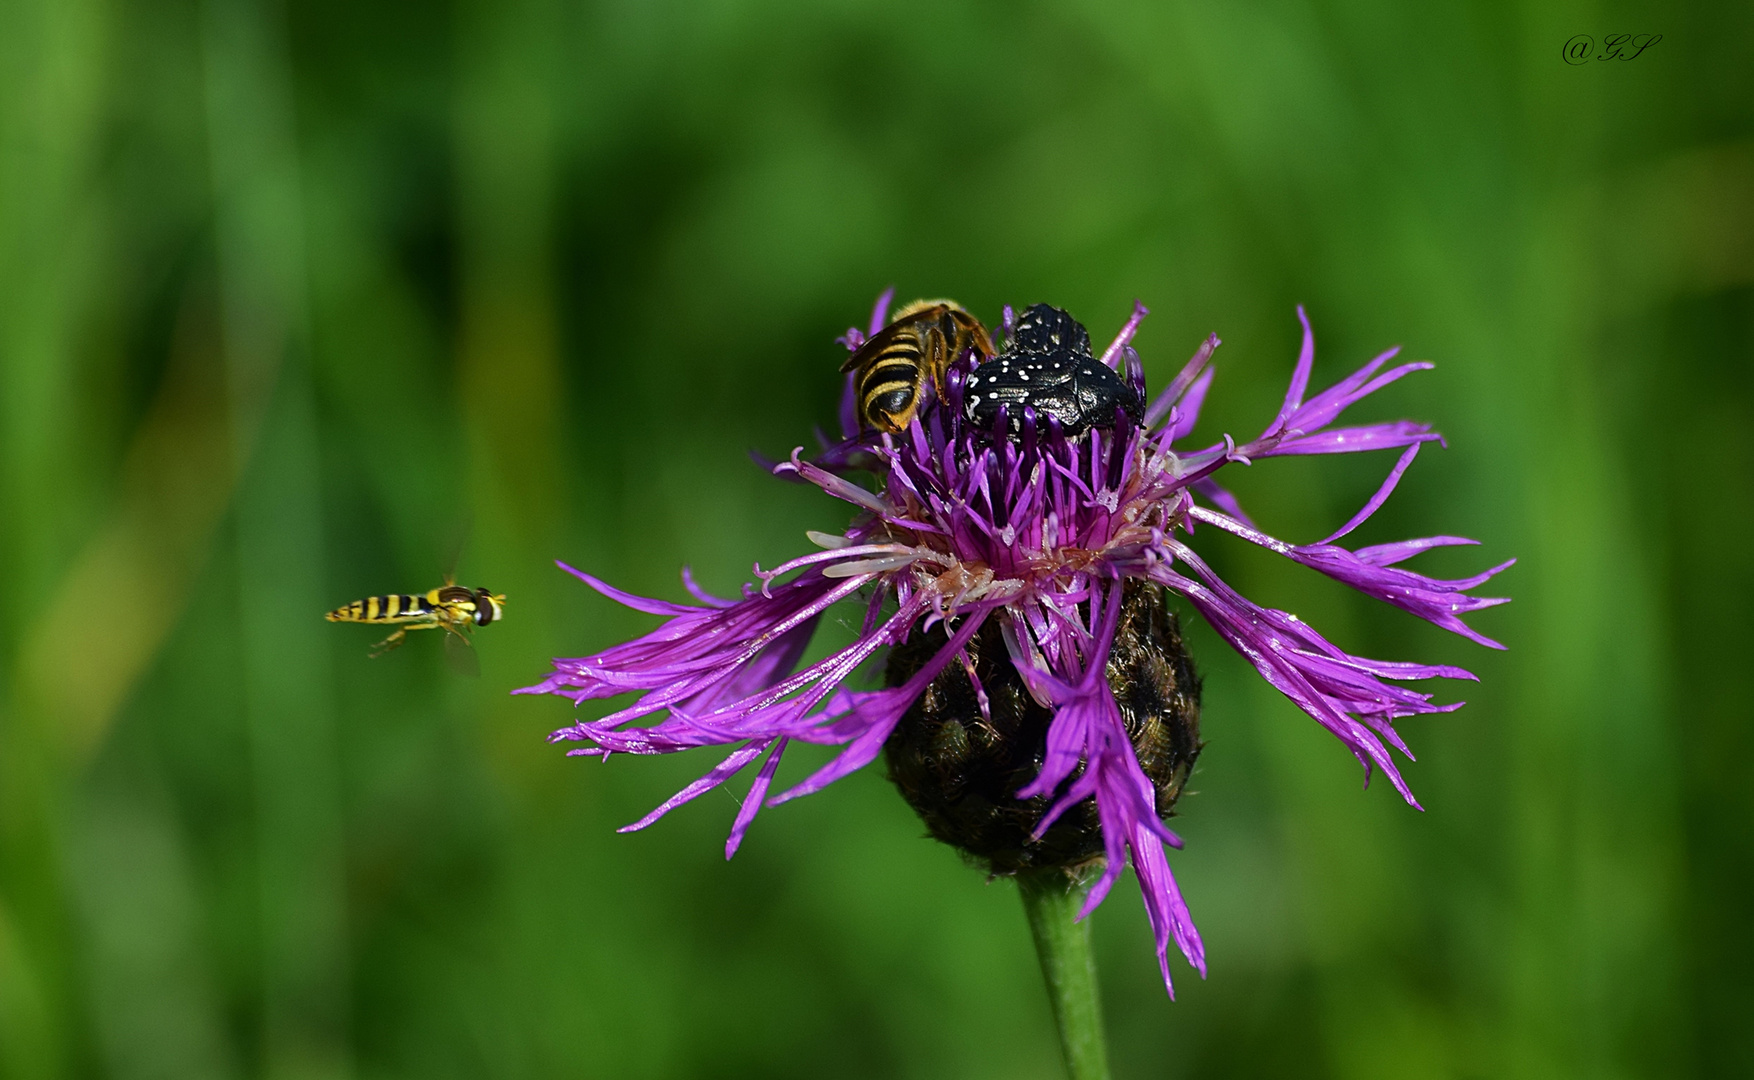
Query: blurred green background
[[289, 293]]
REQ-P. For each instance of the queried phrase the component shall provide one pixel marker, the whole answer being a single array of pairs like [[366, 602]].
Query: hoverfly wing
[[460, 656], [456, 539]]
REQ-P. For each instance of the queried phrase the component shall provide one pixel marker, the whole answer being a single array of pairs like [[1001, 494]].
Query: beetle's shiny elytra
[[1049, 366]]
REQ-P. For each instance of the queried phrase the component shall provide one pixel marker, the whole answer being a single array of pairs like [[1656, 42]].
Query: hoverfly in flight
[[450, 607]]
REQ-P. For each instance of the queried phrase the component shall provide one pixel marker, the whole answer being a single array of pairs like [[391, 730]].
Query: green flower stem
[[1051, 899]]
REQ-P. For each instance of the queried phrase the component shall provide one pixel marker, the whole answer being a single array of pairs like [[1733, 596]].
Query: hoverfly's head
[[488, 606]]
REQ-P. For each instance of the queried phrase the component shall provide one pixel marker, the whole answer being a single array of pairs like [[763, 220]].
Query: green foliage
[[290, 294]]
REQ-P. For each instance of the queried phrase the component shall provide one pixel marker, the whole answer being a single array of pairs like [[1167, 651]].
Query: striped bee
[[449, 607], [920, 343]]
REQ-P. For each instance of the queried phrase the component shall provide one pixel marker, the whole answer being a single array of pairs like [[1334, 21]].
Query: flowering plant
[[1013, 556]]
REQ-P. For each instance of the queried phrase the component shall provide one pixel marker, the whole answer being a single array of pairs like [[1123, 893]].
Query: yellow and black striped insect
[[920, 343], [449, 607]]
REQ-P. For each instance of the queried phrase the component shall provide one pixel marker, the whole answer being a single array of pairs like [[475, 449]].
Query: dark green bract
[[961, 771]]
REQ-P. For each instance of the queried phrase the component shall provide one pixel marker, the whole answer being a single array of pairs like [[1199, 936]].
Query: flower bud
[[961, 770]]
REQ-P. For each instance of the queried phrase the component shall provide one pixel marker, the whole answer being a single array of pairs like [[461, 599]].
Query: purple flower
[[1019, 540]]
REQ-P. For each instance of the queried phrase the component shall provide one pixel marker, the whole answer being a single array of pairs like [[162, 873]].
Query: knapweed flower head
[[1014, 558]]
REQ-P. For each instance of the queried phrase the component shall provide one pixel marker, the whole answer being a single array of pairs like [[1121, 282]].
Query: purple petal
[[878, 715], [1353, 440], [1188, 411], [1178, 386], [1326, 407], [1390, 554], [769, 666], [848, 413], [752, 801], [1299, 375], [701, 594], [880, 311], [723, 771], [1164, 906], [834, 485], [1069, 735], [1321, 679], [1222, 499], [1439, 602], [1381, 496], [627, 599], [1112, 354]]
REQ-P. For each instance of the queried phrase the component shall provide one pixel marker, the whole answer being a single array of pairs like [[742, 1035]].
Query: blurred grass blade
[[288, 696]]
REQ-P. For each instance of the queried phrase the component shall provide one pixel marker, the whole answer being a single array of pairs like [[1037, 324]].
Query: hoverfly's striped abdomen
[[396, 606], [450, 608]]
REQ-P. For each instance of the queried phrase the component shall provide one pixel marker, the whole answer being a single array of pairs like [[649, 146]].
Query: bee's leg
[[390, 642]]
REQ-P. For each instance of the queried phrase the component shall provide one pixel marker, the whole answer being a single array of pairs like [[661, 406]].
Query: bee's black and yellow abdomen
[[888, 388], [916, 347]]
